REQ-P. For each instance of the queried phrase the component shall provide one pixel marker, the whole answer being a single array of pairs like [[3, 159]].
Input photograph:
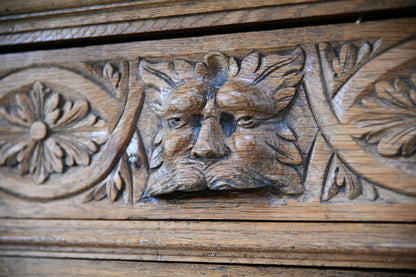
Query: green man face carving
[[222, 123]]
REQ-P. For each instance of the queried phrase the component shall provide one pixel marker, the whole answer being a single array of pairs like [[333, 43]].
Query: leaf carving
[[118, 182], [110, 75], [341, 61], [340, 177], [346, 59], [118, 79], [389, 117]]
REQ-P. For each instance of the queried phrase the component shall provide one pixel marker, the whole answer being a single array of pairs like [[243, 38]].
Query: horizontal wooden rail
[[140, 18], [311, 244]]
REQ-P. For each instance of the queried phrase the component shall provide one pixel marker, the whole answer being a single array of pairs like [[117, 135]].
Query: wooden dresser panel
[[292, 147]]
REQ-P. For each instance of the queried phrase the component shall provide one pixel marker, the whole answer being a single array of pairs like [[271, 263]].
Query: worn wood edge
[[29, 8], [308, 244], [22, 266], [94, 25], [16, 9], [166, 48]]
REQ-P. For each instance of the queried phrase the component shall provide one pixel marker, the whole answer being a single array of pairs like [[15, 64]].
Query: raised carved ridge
[[366, 120]]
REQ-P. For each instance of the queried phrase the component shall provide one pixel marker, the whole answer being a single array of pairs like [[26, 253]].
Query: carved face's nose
[[210, 142]]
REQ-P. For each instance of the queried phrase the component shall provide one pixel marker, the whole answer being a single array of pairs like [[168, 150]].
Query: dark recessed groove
[[179, 220], [215, 30]]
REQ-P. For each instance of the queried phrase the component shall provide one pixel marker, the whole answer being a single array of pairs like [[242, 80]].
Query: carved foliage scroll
[[215, 123], [58, 123], [368, 103]]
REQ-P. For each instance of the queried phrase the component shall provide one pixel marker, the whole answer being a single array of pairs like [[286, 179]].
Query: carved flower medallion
[[43, 133]]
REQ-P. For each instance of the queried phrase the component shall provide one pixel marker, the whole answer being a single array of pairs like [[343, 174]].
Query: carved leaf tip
[[110, 75], [341, 61], [114, 185], [338, 177]]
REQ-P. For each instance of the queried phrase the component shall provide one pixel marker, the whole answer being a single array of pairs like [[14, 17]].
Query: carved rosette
[[63, 124], [44, 134]]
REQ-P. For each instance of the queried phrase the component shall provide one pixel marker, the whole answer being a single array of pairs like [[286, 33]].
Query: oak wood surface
[[132, 18], [16, 7], [307, 244], [257, 205], [66, 267], [90, 137]]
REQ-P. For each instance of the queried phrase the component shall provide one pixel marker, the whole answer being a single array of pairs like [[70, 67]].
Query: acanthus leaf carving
[[116, 76], [44, 133], [118, 184], [339, 180], [223, 123], [341, 61], [340, 177], [389, 117]]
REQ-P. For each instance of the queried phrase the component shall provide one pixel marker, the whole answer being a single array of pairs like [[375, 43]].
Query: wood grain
[[312, 244], [284, 148], [135, 18], [332, 187], [65, 267], [159, 6], [28, 7]]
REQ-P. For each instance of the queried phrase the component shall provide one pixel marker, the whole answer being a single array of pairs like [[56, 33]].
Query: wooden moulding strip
[[126, 19], [19, 266], [151, 8], [311, 244]]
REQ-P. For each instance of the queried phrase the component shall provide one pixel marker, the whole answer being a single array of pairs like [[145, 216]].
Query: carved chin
[[189, 176]]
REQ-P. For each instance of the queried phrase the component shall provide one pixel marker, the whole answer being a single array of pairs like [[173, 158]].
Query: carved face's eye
[[177, 122], [247, 122]]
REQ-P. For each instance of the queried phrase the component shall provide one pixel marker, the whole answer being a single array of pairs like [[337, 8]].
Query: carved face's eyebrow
[[187, 99], [237, 97]]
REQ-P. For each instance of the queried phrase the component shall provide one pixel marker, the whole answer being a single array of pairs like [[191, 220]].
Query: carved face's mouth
[[192, 175]]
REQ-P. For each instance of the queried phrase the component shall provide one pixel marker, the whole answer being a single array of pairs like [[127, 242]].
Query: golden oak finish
[[65, 267], [307, 244], [293, 147], [146, 17], [94, 82]]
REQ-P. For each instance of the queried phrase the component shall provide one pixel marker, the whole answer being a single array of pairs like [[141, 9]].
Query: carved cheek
[[178, 143], [249, 147], [245, 147]]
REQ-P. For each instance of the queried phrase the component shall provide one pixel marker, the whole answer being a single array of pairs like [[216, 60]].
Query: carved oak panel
[[306, 127]]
